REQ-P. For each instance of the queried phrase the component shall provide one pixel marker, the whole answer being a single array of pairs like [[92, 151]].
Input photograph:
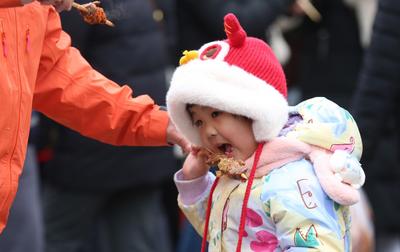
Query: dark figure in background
[[79, 190], [376, 109], [24, 230], [200, 21], [326, 55]]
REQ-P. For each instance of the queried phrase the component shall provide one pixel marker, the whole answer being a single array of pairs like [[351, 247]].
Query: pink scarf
[[276, 153]]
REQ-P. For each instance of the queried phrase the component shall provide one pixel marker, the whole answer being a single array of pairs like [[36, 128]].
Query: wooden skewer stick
[[86, 11], [80, 7], [109, 23], [244, 176], [310, 10], [207, 149]]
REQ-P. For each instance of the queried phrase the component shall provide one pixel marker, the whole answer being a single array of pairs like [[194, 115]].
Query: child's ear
[[340, 192]]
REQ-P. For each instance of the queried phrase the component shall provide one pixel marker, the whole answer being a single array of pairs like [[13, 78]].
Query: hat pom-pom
[[234, 31]]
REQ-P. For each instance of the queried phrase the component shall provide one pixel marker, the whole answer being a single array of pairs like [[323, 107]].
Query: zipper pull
[[3, 42], [28, 40]]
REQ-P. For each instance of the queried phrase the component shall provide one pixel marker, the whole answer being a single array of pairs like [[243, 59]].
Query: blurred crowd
[[69, 201]]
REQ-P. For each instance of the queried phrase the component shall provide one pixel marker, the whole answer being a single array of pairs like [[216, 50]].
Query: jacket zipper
[[18, 128], [19, 85]]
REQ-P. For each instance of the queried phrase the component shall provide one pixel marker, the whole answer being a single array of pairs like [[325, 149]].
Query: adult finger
[[174, 137], [62, 5]]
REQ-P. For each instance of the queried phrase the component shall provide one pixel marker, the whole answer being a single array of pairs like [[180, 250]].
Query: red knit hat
[[240, 75]]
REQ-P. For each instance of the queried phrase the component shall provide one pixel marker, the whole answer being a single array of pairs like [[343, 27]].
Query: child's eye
[[198, 123], [215, 114]]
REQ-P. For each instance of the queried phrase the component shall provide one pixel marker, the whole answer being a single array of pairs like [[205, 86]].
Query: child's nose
[[211, 131]]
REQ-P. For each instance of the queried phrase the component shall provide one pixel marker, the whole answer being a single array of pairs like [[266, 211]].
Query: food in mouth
[[226, 164], [227, 149]]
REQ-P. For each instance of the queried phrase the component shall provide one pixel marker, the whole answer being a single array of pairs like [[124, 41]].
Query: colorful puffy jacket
[[39, 69], [288, 209]]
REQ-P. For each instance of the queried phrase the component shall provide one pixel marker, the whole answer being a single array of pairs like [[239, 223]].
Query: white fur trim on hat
[[229, 88]]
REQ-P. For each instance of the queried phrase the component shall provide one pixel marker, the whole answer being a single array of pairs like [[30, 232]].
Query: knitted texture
[[253, 55], [257, 58]]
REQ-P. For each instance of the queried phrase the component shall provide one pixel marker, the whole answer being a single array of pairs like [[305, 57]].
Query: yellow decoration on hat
[[188, 56]]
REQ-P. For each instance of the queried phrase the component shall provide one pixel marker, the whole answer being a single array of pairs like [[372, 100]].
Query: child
[[230, 99]]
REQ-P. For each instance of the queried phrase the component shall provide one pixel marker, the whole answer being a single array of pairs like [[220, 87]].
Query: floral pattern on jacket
[[287, 211]]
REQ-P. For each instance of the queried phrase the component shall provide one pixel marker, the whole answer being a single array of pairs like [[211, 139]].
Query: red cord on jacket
[[209, 202], [247, 196], [244, 206]]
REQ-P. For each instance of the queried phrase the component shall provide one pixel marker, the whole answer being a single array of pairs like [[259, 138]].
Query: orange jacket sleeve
[[71, 92], [10, 3]]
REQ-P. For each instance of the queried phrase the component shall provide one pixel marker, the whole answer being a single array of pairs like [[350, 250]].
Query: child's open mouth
[[226, 149]]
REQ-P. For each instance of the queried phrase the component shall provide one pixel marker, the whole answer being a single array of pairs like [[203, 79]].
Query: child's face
[[222, 132]]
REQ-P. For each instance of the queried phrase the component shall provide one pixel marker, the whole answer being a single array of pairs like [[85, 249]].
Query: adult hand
[[174, 137], [60, 5]]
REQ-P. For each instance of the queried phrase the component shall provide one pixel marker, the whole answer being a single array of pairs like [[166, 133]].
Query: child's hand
[[195, 164]]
